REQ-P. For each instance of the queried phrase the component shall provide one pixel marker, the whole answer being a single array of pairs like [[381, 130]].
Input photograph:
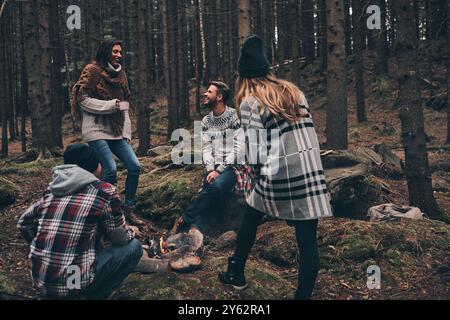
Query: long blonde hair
[[281, 97]]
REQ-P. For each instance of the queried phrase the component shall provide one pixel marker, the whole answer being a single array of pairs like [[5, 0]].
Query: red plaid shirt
[[244, 180], [66, 232]]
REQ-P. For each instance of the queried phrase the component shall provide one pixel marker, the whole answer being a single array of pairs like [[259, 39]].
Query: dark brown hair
[[222, 89]]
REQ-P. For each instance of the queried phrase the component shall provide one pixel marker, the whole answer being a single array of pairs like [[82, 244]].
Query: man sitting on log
[[218, 128], [65, 228]]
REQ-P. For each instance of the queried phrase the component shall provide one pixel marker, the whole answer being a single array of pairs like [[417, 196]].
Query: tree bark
[[56, 77], [244, 27], [411, 115], [322, 21], [38, 55], [381, 63], [448, 78], [358, 24], [348, 28], [281, 37], [142, 99], [307, 21], [336, 130], [294, 11], [3, 80]]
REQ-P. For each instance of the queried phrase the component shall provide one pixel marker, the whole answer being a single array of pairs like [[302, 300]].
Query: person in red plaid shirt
[[65, 228]]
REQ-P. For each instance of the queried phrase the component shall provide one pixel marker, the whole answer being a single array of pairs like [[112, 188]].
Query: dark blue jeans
[[209, 196], [112, 266], [122, 150]]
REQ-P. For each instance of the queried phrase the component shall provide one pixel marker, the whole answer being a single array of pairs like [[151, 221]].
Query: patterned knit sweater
[[217, 139]]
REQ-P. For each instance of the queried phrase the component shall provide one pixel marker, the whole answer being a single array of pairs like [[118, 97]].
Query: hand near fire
[[136, 231]]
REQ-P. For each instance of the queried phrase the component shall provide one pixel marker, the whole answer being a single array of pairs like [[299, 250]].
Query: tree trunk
[[322, 21], [381, 63], [347, 28], [448, 78], [197, 59], [3, 79], [38, 56], [142, 98], [411, 115], [281, 37], [24, 83], [336, 130], [392, 23], [436, 19], [173, 98], [183, 86], [211, 41], [294, 11], [56, 78], [244, 27], [358, 24], [307, 21]]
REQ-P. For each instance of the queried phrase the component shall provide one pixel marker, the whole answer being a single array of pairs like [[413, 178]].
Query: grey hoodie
[[69, 179]]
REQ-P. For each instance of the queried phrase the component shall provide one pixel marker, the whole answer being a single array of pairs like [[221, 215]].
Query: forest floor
[[414, 255]]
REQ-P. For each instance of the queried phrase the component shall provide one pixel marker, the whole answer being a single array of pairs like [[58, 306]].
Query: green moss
[[5, 285], [8, 191], [32, 169], [358, 248], [163, 203], [398, 259], [282, 257], [151, 287]]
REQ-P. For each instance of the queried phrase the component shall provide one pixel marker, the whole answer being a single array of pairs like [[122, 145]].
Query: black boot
[[234, 275]]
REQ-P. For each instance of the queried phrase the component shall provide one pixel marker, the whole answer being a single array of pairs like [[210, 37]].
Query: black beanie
[[83, 156], [252, 61]]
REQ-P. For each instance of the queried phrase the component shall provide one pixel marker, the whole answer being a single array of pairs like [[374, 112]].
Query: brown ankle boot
[[131, 217]]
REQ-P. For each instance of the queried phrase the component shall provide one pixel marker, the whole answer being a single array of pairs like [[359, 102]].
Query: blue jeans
[[122, 150], [208, 197], [112, 266]]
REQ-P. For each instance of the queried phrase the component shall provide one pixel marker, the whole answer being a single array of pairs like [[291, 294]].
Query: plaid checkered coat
[[297, 190]]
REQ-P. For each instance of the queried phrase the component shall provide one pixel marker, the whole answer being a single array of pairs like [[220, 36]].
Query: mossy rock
[[163, 203], [8, 191], [151, 287], [277, 244], [264, 282], [33, 169], [163, 160], [6, 287], [358, 248]]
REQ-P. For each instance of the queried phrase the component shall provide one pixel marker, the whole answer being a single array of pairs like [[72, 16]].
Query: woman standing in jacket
[[101, 100], [290, 185]]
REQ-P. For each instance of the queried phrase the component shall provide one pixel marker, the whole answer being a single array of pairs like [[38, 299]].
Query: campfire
[[183, 251]]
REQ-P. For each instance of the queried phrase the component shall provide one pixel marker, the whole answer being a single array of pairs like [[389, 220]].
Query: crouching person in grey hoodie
[[65, 227]]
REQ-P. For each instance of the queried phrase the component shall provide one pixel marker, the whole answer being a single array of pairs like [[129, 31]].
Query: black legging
[[306, 234]]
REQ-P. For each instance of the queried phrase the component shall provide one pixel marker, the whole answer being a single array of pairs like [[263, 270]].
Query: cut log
[[186, 263], [392, 165], [159, 151], [149, 265], [352, 190]]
